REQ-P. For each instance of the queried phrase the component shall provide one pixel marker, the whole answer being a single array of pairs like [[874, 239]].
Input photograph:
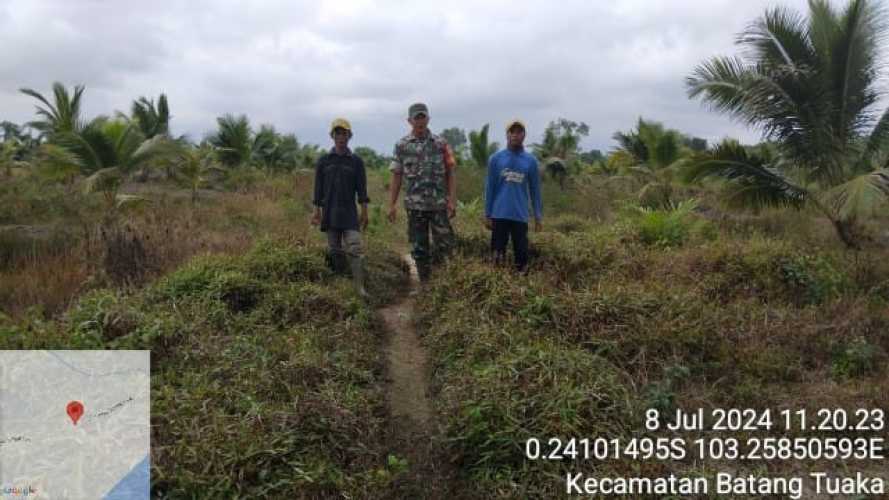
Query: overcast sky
[[297, 65]]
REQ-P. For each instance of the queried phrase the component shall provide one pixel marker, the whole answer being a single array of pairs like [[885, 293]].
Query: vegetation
[[152, 120], [60, 116], [560, 148], [479, 147], [643, 292], [652, 154], [810, 84]]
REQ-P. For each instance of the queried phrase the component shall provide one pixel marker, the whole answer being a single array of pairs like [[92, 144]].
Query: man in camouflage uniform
[[427, 163]]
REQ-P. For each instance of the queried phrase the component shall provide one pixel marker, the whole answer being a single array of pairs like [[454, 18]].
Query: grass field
[[269, 373]]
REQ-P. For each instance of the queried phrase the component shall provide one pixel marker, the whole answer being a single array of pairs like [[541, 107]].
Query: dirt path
[[414, 428]]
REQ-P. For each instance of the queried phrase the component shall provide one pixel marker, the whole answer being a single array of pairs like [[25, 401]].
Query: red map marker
[[75, 411]]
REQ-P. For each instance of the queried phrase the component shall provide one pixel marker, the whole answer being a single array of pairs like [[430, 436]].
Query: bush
[[195, 278], [814, 278], [270, 260], [855, 359], [663, 227], [99, 317]]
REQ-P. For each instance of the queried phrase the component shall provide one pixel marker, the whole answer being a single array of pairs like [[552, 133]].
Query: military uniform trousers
[[419, 226]]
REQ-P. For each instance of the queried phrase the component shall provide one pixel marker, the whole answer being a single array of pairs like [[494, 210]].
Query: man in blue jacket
[[512, 176]]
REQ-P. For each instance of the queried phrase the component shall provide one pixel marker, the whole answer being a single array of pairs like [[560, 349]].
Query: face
[[341, 137], [515, 136], [419, 123]]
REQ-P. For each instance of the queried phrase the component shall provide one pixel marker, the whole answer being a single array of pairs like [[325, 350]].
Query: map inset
[[74, 424]]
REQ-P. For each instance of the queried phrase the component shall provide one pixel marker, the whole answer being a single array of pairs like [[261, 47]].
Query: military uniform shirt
[[423, 162]]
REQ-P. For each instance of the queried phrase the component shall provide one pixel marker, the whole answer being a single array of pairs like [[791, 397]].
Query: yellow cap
[[340, 123], [514, 122]]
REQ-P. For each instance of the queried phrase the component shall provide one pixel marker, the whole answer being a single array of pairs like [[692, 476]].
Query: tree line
[[809, 83]]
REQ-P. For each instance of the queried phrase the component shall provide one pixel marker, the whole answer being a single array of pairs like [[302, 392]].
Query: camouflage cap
[[340, 123], [416, 109], [515, 121]]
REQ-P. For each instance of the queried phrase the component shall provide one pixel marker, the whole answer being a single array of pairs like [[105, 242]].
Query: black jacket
[[338, 180]]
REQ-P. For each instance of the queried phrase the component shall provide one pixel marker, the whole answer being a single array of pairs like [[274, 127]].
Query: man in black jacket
[[339, 178]]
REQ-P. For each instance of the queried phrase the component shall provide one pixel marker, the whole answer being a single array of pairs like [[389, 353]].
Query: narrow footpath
[[414, 427]]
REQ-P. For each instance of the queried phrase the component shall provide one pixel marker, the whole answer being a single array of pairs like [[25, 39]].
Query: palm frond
[[61, 116], [877, 144], [722, 83], [130, 201], [852, 69], [860, 196], [152, 120], [823, 28], [750, 181], [103, 180], [81, 148], [233, 139], [163, 115], [37, 95], [157, 148], [57, 163], [779, 39]]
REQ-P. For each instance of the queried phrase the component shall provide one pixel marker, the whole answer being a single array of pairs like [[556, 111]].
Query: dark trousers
[[504, 229]]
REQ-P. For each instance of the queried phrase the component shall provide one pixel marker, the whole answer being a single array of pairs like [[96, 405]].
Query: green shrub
[[814, 278], [663, 227], [854, 359], [271, 260], [192, 279], [100, 316], [661, 395]]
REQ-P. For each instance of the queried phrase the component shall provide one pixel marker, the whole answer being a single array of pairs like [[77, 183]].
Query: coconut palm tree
[[107, 151], [273, 151], [193, 166], [561, 139], [152, 120], [105, 143], [479, 147], [810, 85], [10, 131], [61, 116], [233, 140], [652, 152]]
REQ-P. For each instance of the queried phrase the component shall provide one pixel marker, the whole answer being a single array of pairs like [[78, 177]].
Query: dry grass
[[150, 242]]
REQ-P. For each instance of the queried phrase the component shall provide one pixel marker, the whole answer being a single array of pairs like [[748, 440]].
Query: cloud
[[297, 65]]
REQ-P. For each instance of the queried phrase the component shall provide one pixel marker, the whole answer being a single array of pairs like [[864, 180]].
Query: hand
[[316, 219], [392, 213], [362, 220], [452, 209], [489, 224], [538, 225]]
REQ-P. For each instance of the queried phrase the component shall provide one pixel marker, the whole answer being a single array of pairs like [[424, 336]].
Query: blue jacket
[[511, 176]]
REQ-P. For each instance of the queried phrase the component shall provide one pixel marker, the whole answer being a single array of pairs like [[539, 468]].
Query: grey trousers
[[347, 241]]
